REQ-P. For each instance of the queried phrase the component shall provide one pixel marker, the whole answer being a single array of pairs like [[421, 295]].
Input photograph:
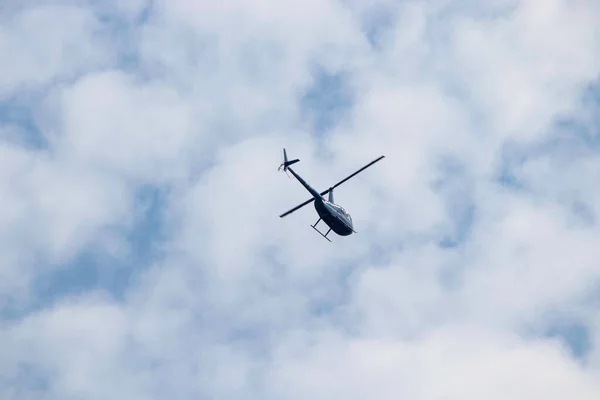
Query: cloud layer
[[141, 252]]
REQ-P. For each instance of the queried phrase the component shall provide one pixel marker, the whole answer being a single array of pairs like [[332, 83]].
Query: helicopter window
[[347, 215], [342, 211]]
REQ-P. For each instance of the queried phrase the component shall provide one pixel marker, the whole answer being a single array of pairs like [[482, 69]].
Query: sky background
[[141, 252]]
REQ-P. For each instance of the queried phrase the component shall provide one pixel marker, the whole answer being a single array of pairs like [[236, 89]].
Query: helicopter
[[333, 215]]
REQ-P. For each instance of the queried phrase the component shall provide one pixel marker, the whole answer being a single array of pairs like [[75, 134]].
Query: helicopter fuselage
[[335, 217]]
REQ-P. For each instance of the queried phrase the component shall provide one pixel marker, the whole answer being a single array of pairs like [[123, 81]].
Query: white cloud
[[51, 211], [245, 304], [454, 364], [43, 44], [523, 70], [140, 131]]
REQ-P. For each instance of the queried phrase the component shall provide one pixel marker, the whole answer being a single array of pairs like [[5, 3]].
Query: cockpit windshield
[[343, 212]]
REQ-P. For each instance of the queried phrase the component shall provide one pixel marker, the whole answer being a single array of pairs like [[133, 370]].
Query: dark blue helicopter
[[334, 215]]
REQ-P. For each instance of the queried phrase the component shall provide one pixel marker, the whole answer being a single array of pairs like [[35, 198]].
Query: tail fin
[[285, 164]]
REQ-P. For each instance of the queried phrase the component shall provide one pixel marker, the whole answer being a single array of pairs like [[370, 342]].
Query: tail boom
[[312, 191], [285, 165]]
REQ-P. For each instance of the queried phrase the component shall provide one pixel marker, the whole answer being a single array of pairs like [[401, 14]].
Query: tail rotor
[[285, 164]]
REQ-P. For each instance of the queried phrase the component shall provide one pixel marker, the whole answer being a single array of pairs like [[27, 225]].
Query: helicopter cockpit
[[343, 212]]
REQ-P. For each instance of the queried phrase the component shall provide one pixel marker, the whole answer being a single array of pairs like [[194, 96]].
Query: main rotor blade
[[303, 204], [297, 207], [327, 190], [360, 170]]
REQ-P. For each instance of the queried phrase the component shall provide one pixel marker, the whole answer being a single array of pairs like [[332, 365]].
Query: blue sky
[[142, 253]]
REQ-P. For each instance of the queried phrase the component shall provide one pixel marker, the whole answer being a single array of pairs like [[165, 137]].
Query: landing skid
[[321, 233]]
